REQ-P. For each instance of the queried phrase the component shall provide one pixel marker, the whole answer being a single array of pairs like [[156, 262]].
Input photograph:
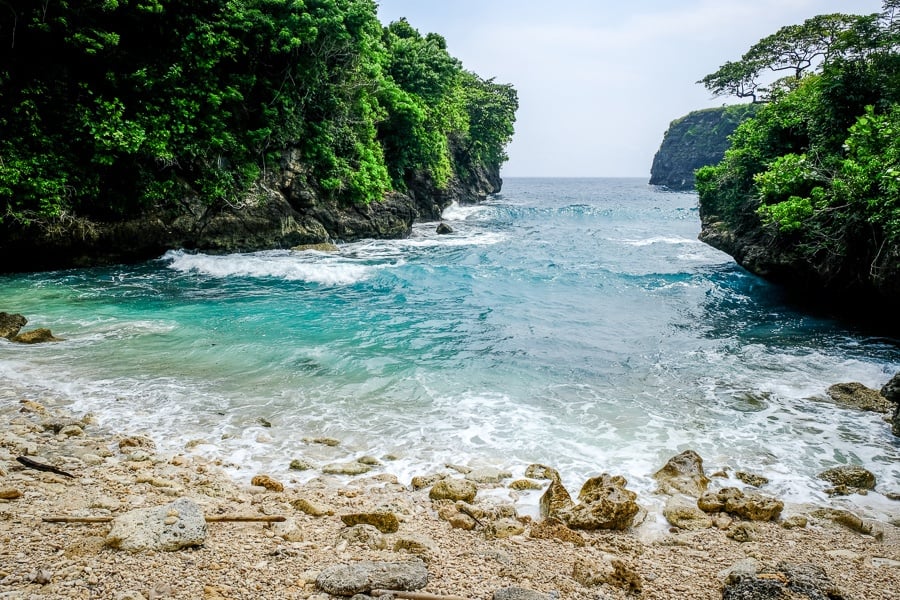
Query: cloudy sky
[[599, 81]]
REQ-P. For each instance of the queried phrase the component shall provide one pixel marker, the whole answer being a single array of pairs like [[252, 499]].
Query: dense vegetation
[[112, 107], [817, 170]]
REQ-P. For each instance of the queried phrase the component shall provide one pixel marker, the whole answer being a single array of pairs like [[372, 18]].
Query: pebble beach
[[115, 472]]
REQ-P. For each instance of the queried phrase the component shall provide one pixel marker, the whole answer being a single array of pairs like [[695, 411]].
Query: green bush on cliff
[[112, 107], [816, 170]]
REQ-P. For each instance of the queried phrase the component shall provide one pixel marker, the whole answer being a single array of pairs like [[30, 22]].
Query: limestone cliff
[[285, 209], [693, 141]]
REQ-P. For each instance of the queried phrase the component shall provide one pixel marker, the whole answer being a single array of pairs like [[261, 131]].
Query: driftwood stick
[[209, 519], [414, 595], [465, 510], [32, 464]]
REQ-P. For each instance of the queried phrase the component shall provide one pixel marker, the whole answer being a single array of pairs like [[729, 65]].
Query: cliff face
[[282, 211], [693, 141]]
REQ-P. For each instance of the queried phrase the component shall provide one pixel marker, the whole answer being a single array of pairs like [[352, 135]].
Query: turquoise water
[[574, 322]]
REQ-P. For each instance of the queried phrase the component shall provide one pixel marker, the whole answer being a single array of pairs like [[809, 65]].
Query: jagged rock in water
[[537, 471], [849, 479], [555, 499], [683, 474], [453, 489], [10, 324], [891, 391], [857, 395], [443, 229], [36, 336], [685, 515]]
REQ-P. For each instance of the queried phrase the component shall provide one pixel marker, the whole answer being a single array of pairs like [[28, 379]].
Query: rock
[[610, 570], [146, 530], [683, 474], [322, 247], [551, 529], [555, 499], [423, 481], [311, 508], [742, 532], [288, 530], [443, 229], [453, 489], [298, 464], [753, 506], [848, 479], [71, 430], [488, 475], [273, 485], [323, 441], [363, 577], [416, 544], [10, 324], [751, 479], [36, 336], [749, 581], [129, 443], [517, 593], [525, 485], [604, 503], [348, 468], [504, 528], [462, 521], [848, 520], [794, 522], [384, 521], [364, 535], [856, 395], [891, 391], [537, 471], [685, 515], [9, 493]]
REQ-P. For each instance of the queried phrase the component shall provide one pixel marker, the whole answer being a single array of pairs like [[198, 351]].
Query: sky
[[599, 81]]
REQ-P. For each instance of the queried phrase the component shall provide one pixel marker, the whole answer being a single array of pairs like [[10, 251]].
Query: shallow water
[[573, 322]]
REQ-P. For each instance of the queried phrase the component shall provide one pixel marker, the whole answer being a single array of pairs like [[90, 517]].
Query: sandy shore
[[253, 560]]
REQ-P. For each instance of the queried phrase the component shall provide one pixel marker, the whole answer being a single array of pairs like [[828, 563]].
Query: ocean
[[577, 323]]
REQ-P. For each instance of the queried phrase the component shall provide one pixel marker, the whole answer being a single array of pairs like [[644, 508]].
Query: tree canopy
[[818, 168], [110, 107]]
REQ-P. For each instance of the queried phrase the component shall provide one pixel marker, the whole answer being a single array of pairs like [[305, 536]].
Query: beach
[[114, 472]]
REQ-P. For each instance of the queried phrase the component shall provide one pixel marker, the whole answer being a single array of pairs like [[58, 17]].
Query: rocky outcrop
[[891, 391], [693, 141], [10, 324], [683, 474], [285, 210]]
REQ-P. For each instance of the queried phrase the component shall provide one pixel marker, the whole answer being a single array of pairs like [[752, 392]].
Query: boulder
[[453, 489], [364, 535], [384, 521], [443, 229], [273, 485], [848, 479], [685, 514], [608, 570], [604, 503], [748, 580], [363, 577], [177, 525], [856, 395], [753, 506], [536, 471], [683, 474], [751, 479], [36, 336], [10, 324], [891, 391], [555, 499]]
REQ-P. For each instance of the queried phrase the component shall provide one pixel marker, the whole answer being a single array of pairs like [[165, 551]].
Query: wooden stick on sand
[[209, 519]]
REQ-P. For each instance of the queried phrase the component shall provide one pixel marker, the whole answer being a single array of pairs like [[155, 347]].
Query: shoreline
[[246, 560]]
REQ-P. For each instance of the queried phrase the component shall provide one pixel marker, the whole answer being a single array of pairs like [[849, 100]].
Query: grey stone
[[363, 577], [166, 528], [517, 593]]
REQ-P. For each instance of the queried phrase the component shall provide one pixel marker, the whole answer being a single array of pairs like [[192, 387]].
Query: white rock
[[146, 529]]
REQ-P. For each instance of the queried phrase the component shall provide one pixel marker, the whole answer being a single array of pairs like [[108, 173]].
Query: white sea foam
[[457, 212], [658, 240], [312, 267]]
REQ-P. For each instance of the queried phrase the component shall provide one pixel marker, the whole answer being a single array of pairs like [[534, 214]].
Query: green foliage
[[819, 166], [111, 107]]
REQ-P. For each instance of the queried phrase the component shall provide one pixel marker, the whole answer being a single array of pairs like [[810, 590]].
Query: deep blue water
[[574, 322]]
